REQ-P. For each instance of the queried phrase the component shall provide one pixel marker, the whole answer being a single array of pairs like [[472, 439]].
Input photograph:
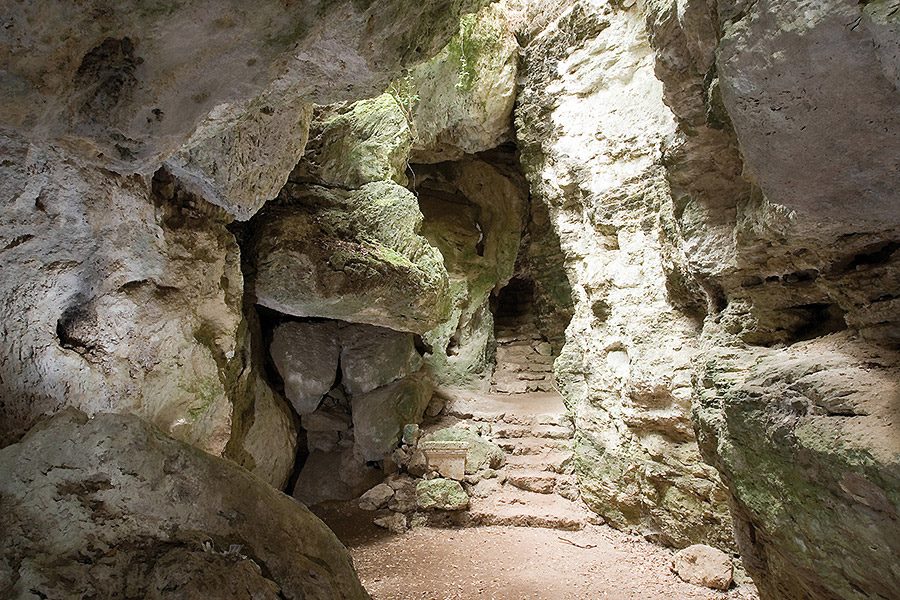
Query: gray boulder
[[306, 356], [126, 511]]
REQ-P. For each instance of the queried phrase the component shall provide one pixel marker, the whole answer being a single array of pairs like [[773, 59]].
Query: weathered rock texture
[[124, 86], [114, 299], [591, 124], [355, 256], [703, 216], [704, 565], [799, 423], [111, 507], [460, 102], [474, 214], [714, 207]]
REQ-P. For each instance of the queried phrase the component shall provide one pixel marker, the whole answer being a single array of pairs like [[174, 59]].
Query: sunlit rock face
[[592, 124], [181, 523], [710, 199], [112, 301], [703, 183]]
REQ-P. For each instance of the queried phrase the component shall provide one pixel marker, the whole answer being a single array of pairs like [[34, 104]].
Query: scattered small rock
[[435, 406], [410, 434], [377, 497], [394, 522], [418, 464], [704, 565]]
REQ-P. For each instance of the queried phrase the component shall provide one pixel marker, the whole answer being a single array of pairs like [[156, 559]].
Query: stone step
[[510, 376], [521, 349], [517, 343], [511, 418], [532, 480], [510, 387], [530, 445], [550, 460], [523, 364], [510, 335], [523, 368], [522, 387], [520, 508], [506, 430]]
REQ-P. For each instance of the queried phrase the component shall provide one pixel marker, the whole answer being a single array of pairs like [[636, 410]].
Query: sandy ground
[[516, 563]]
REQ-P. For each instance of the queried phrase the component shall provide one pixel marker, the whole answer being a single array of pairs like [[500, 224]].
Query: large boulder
[[704, 565], [441, 494], [125, 511], [335, 475], [352, 145], [351, 255], [241, 156], [379, 416], [374, 356], [264, 440]]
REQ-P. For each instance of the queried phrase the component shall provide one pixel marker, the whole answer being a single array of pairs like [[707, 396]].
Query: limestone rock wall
[[475, 212], [92, 261], [591, 124], [125, 85], [795, 384], [125, 294]]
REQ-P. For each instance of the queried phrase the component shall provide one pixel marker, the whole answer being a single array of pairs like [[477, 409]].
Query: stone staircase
[[536, 487], [524, 360]]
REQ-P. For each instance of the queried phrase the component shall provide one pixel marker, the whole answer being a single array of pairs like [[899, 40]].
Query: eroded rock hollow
[[532, 263]]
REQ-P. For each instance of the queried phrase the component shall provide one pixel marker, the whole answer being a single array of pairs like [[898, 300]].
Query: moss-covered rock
[[461, 100], [379, 415], [806, 440], [441, 494], [474, 214], [352, 145], [351, 255]]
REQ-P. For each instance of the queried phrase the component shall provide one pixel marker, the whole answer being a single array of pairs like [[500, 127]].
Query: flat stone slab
[[446, 457]]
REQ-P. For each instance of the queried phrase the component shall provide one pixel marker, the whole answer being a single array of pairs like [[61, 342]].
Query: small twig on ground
[[577, 545]]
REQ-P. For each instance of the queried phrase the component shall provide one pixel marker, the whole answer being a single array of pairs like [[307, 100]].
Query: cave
[[556, 299], [514, 304]]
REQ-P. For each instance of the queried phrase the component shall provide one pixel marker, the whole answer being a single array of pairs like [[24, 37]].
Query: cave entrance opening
[[524, 357]]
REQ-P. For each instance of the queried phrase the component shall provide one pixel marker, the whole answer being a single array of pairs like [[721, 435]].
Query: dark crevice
[[870, 256], [820, 319]]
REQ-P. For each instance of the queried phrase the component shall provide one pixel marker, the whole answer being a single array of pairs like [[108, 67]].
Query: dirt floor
[[515, 563]]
